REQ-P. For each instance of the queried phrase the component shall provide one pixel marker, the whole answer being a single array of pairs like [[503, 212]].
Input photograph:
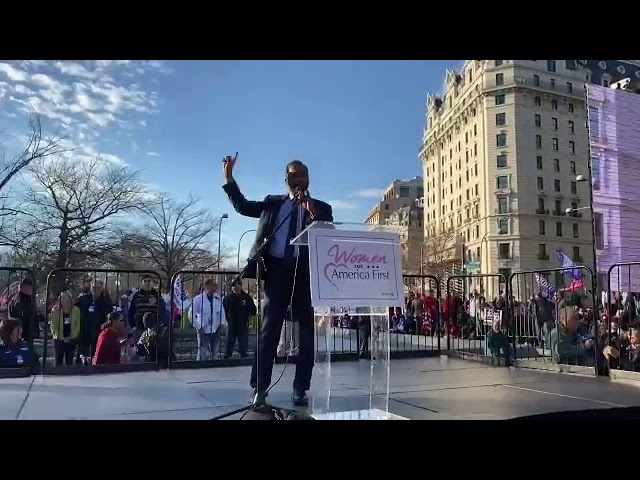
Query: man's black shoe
[[299, 399], [259, 398]]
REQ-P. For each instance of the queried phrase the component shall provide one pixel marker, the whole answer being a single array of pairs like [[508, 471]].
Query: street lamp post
[[224, 217], [240, 243]]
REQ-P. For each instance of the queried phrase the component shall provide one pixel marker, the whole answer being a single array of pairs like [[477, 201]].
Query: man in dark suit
[[285, 271]]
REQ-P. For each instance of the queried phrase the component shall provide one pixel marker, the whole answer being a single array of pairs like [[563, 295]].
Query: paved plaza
[[428, 388]]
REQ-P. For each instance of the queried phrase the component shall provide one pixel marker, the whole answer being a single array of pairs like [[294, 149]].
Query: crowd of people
[[92, 328]]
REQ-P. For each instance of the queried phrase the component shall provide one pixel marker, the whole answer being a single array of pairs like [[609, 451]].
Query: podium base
[[369, 414]]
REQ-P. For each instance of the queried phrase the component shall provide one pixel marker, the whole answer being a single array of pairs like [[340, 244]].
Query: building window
[[570, 107], [499, 79], [572, 146], [553, 83], [594, 123], [595, 172], [570, 64], [576, 254], [503, 205], [558, 229], [537, 102], [572, 126], [501, 161], [551, 65], [542, 227], [536, 80], [599, 221], [501, 140], [404, 192], [558, 207], [539, 162], [501, 119], [541, 209], [569, 87], [504, 251], [576, 230], [554, 144], [542, 251], [556, 185], [497, 63], [554, 122], [574, 188], [538, 120], [503, 226], [540, 183], [554, 104], [500, 99], [572, 167], [502, 181], [538, 141], [556, 165]]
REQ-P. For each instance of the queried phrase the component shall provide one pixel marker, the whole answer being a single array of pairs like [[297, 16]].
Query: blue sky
[[357, 124]]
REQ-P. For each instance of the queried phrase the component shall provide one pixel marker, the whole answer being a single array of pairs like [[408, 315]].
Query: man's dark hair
[[296, 163]]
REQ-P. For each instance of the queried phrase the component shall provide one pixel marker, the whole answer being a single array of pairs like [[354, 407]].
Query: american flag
[[179, 294], [546, 289], [569, 265]]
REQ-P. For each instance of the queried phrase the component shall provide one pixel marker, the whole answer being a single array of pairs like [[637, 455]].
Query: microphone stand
[[257, 257]]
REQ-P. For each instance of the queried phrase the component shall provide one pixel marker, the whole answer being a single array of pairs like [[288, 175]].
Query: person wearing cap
[[145, 300], [239, 308]]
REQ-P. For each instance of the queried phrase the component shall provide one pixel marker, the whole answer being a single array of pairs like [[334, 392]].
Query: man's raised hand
[[227, 166]]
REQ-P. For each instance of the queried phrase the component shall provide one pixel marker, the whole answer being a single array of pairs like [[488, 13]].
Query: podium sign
[[355, 268]]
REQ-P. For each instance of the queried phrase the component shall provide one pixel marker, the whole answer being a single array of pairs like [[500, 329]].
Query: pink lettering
[[343, 256]]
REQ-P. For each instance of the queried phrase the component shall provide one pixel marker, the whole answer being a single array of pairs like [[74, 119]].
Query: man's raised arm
[[247, 208]]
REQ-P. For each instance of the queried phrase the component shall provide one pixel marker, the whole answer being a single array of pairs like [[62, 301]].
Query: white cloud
[[369, 193], [82, 98], [153, 154], [342, 204]]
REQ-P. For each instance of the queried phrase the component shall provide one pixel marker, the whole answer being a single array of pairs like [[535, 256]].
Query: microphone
[[300, 195]]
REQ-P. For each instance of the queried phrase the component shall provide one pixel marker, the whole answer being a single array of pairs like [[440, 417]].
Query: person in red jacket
[[108, 347]]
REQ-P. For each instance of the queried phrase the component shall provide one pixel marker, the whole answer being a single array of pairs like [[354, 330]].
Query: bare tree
[[37, 148], [439, 254], [175, 235], [75, 205]]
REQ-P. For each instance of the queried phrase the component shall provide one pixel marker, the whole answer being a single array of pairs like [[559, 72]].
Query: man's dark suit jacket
[[267, 211]]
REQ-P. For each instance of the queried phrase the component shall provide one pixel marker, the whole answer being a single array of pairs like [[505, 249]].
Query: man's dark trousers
[[239, 332], [278, 285]]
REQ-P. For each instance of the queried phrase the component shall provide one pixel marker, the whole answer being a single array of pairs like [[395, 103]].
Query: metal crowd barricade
[[476, 315], [11, 280], [555, 322], [416, 330], [72, 351], [190, 349], [621, 320]]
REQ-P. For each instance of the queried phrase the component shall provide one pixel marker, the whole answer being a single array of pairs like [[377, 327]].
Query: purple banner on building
[[614, 135]]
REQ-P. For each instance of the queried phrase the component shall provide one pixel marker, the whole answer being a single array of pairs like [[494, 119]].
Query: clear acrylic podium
[[328, 339]]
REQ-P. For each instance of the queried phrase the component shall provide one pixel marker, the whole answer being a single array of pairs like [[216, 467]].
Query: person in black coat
[[239, 307], [279, 264], [94, 308]]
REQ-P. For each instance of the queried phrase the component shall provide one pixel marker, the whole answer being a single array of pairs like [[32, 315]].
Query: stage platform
[[423, 389]]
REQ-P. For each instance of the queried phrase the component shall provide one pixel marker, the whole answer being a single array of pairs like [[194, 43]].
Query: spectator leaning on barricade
[[568, 347], [108, 349], [14, 352], [22, 308], [94, 308], [65, 328], [145, 300]]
